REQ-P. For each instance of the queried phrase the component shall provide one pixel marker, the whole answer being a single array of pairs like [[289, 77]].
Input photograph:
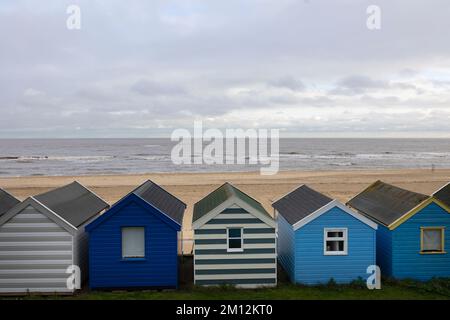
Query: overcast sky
[[143, 68]]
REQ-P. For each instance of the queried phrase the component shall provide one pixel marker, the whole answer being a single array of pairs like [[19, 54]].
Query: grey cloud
[[148, 63], [288, 82], [154, 88], [357, 84]]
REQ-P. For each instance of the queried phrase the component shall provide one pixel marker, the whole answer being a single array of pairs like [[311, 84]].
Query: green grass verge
[[391, 289]]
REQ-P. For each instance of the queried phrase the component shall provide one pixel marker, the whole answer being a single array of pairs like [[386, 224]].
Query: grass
[[391, 289]]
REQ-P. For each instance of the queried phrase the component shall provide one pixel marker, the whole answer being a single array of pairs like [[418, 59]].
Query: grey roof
[[443, 194], [300, 203], [162, 200], [222, 194], [386, 203], [7, 201], [73, 202]]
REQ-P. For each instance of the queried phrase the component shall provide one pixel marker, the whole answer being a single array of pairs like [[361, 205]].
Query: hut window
[[133, 242], [234, 239], [335, 241], [432, 240]]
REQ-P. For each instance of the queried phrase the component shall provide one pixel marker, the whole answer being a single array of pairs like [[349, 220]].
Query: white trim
[[343, 238], [197, 224], [229, 203], [237, 225], [329, 206], [241, 249]]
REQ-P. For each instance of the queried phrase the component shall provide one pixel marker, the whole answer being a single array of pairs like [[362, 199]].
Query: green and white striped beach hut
[[234, 240]]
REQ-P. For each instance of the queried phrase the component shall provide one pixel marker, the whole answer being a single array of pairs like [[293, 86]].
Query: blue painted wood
[[286, 247], [312, 266], [384, 250], [407, 262], [108, 269]]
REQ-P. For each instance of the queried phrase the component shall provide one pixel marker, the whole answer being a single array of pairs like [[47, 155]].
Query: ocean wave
[[57, 158], [343, 164], [368, 156], [391, 155], [150, 157]]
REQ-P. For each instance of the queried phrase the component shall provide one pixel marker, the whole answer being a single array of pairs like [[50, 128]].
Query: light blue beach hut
[[321, 239]]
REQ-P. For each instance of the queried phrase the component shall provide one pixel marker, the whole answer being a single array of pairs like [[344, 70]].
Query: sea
[[55, 157]]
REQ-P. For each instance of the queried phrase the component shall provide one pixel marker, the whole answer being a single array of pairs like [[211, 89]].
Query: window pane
[[335, 234], [133, 242], [432, 240], [335, 245], [234, 243], [234, 233]]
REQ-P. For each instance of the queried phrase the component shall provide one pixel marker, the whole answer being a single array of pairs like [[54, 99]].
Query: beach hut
[[7, 201], [413, 235], [135, 243], [320, 239], [443, 195], [43, 236], [234, 240]]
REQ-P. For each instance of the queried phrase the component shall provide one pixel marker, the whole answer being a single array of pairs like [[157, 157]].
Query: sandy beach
[[191, 187]]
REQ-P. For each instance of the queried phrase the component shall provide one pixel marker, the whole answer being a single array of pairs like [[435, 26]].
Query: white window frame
[[228, 240], [343, 238], [122, 242]]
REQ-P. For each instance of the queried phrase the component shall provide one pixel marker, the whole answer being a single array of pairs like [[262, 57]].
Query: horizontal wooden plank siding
[[254, 266], [384, 250], [286, 247], [236, 261], [407, 261], [107, 267], [34, 254], [254, 282], [312, 266]]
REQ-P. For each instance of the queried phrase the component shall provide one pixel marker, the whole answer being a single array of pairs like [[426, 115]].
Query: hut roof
[[300, 203], [73, 202], [222, 194], [443, 194], [162, 200], [386, 203], [7, 201]]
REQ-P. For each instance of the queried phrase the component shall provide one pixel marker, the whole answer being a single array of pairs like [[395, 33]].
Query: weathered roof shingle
[[220, 195], [300, 203], [7, 201], [443, 194], [73, 202], [162, 200], [386, 203]]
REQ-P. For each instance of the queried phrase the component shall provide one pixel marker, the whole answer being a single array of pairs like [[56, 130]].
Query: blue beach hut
[[413, 235], [321, 239], [135, 243]]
